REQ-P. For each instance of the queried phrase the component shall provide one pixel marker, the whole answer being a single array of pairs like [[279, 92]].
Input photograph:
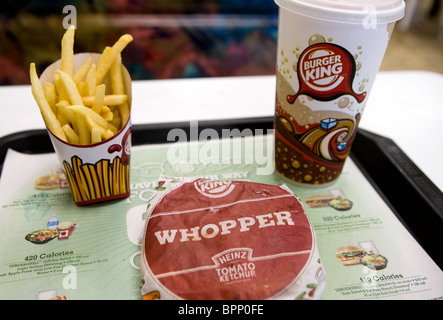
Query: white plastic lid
[[347, 11]]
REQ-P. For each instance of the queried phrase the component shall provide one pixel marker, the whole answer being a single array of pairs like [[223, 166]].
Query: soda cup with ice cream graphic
[[329, 53]]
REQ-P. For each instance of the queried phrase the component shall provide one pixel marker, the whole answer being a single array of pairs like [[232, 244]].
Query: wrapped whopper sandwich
[[207, 239]]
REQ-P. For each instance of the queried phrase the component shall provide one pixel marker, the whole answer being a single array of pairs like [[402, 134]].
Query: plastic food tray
[[416, 201]]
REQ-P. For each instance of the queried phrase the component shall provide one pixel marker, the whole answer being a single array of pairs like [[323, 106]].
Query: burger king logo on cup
[[214, 189], [325, 72]]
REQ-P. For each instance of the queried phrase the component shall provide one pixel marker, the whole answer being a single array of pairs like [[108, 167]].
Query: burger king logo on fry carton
[[214, 189], [325, 72]]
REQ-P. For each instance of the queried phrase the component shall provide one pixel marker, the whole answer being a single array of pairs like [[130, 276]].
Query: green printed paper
[[94, 253]]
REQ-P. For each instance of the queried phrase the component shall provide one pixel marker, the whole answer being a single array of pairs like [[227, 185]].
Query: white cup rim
[[352, 11]]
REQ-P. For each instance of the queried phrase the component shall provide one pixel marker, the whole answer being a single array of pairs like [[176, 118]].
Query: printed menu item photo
[[54, 229], [365, 254], [335, 199], [349, 255], [374, 261]]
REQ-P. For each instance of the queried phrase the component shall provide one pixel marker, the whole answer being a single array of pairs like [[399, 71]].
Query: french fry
[[78, 123], [89, 132], [64, 112], [85, 111], [61, 116], [99, 98], [118, 87], [108, 100], [62, 95], [84, 134], [107, 114], [81, 87], [96, 135], [117, 84], [67, 63], [81, 72], [51, 95], [116, 49], [71, 135], [108, 134], [48, 115], [124, 112], [99, 131], [70, 87], [104, 110], [116, 120], [91, 80], [104, 56]]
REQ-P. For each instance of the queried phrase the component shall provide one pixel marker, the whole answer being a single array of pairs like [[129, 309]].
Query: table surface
[[405, 106]]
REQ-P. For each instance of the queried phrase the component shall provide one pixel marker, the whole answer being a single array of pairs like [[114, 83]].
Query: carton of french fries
[[85, 102]]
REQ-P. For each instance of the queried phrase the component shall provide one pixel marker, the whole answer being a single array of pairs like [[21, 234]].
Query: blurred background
[[187, 38]]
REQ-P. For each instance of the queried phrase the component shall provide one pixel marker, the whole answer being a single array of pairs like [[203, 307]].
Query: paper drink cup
[[329, 53], [101, 171]]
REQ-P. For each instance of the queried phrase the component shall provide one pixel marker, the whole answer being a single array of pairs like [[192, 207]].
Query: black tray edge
[[415, 200]]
